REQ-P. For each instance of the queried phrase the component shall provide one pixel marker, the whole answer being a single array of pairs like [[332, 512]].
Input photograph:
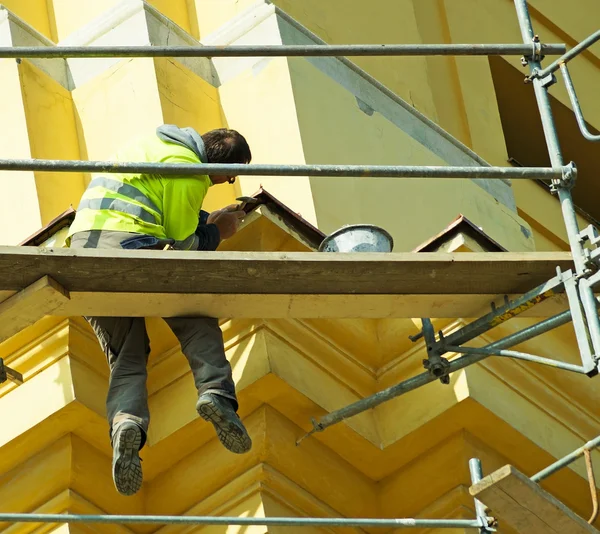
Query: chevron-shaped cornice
[[283, 353], [274, 385]]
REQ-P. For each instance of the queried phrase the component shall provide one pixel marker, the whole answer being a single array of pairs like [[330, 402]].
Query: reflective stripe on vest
[[116, 204], [120, 204], [124, 189]]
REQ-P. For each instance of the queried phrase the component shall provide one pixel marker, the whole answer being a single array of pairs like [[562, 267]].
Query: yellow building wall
[[52, 133], [19, 203], [408, 457], [261, 105], [393, 21], [35, 13], [70, 15], [336, 131]]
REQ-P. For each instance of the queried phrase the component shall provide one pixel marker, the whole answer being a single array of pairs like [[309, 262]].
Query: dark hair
[[226, 146]]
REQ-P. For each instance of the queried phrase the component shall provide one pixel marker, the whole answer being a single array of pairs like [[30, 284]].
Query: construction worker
[[149, 211]]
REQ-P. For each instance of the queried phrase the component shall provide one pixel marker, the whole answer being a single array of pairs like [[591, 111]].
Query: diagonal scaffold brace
[[438, 367]]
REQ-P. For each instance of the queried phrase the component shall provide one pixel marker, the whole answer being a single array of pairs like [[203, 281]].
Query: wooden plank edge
[[495, 480], [29, 305], [282, 306]]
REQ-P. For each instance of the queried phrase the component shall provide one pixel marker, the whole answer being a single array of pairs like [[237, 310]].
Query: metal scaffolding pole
[[517, 355], [563, 188], [504, 313], [480, 509], [42, 52], [565, 58], [426, 378], [568, 459], [373, 171], [575, 103], [259, 521]]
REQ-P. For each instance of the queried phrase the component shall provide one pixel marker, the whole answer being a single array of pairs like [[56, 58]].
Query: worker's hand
[[226, 221], [214, 214]]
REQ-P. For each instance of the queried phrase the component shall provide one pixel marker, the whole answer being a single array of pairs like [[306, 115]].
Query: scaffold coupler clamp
[[536, 56], [490, 524], [568, 178], [435, 363], [438, 367]]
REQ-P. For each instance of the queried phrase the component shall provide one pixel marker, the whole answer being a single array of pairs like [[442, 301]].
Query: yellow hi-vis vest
[[151, 204]]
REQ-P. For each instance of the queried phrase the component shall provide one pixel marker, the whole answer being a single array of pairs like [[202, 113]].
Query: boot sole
[[127, 470], [230, 434]]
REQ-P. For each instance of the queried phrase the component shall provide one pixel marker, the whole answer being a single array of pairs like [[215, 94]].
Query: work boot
[[230, 429], [127, 466]]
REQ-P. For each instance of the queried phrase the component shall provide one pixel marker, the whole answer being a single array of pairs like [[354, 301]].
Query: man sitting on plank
[[151, 211]]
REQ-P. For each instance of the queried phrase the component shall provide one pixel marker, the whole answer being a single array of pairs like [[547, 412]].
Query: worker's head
[[226, 146]]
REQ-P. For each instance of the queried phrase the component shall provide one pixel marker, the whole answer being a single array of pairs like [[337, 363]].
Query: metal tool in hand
[[247, 203]]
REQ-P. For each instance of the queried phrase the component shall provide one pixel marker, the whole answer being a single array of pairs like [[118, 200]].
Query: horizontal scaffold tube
[[566, 460], [278, 50], [520, 356], [187, 169], [260, 521]]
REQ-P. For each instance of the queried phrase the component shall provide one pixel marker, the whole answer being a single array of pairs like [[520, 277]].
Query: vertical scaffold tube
[[564, 193]]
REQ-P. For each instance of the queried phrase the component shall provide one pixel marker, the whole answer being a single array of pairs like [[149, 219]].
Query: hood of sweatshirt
[[187, 137]]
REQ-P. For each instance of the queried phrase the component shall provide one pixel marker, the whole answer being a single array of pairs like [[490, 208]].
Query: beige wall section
[[188, 100], [116, 107], [390, 21], [212, 14], [490, 21], [335, 130], [34, 12], [18, 203], [393, 21], [53, 135], [71, 15], [177, 11], [442, 70], [477, 88], [260, 104]]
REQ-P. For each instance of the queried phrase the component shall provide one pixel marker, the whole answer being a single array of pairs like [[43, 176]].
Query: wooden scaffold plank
[[29, 305], [277, 285], [523, 505]]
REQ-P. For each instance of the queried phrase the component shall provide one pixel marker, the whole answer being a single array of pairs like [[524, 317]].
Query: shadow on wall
[[524, 134], [83, 153]]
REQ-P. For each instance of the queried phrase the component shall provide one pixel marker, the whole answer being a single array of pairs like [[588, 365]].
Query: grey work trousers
[[125, 342]]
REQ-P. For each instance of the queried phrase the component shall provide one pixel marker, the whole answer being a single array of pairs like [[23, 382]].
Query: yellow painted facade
[[407, 457]]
